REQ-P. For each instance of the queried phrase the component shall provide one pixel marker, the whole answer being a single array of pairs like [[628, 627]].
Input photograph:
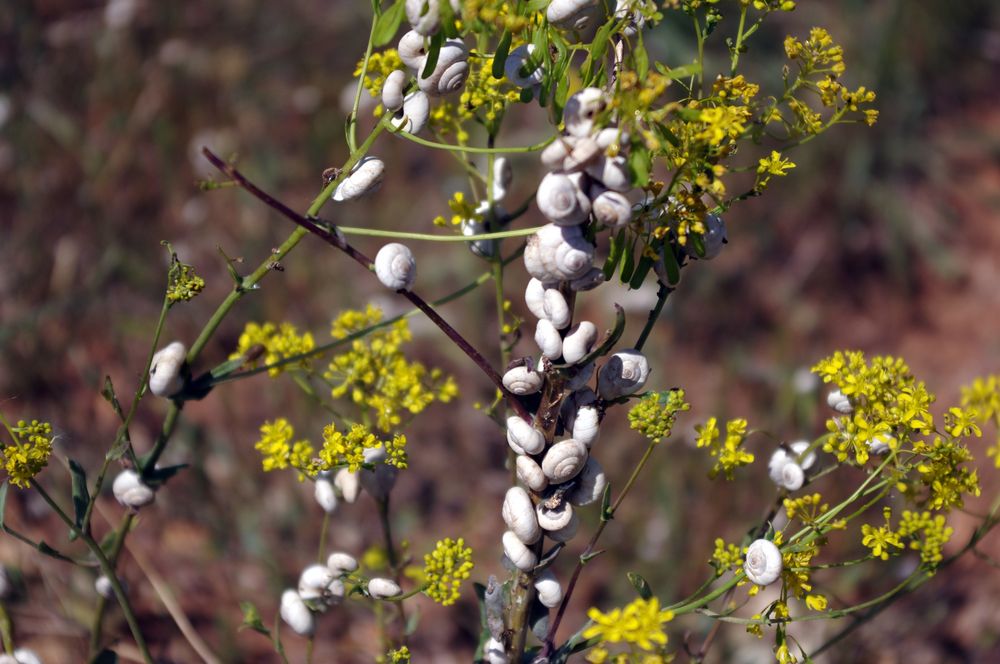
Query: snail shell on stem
[[522, 380], [840, 402], [625, 373], [349, 484], [413, 116], [365, 178], [554, 518], [325, 494], [590, 484], [380, 588], [519, 514], [450, 72], [516, 60], [548, 590], [561, 200], [165, 377], [564, 460], [583, 107], [523, 437], [296, 614], [558, 253], [548, 339], [534, 297], [131, 491], [412, 50], [567, 532], [556, 308], [612, 209], [530, 473], [340, 563], [579, 341], [426, 22], [518, 553], [612, 172], [763, 562], [586, 425], [395, 266], [392, 90]]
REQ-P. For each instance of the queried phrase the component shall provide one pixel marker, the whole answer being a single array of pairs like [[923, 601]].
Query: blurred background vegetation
[[885, 239]]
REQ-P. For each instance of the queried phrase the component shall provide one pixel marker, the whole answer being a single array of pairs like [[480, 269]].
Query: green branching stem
[[472, 149]]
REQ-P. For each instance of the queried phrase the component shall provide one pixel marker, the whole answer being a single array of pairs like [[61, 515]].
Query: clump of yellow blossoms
[[639, 624], [655, 414], [183, 283], [483, 98], [279, 342], [445, 568], [29, 451], [398, 656], [983, 398], [729, 453]]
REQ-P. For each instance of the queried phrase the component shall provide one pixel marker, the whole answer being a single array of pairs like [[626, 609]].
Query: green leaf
[[606, 513], [641, 585], [3, 503], [686, 71], [432, 55], [587, 557], [639, 165], [615, 254], [228, 367], [641, 59], [535, 5], [387, 24], [597, 49], [447, 17], [641, 270], [500, 57], [670, 264], [81, 496], [628, 265], [252, 619]]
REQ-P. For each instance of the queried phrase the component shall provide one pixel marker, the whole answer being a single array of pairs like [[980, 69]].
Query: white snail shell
[[104, 588], [881, 444], [516, 59], [340, 563], [318, 583], [392, 90], [413, 116], [763, 562], [612, 209], [548, 590], [22, 656], [519, 514], [574, 402], [612, 172], [530, 473], [564, 460], [378, 482], [567, 532], [325, 494], [365, 178], [798, 449], [534, 297], [548, 339], [412, 50], [625, 373], [522, 380], [611, 136], [502, 177], [518, 553], [561, 201], [715, 235], [784, 472], [556, 308], [583, 107], [586, 425], [395, 266], [591, 279], [840, 402], [573, 14], [554, 518], [579, 341], [578, 376], [493, 652], [590, 484], [522, 437], [450, 72], [295, 612], [380, 588], [585, 152], [558, 253], [349, 484], [426, 23], [554, 155], [636, 22], [131, 491], [165, 377]]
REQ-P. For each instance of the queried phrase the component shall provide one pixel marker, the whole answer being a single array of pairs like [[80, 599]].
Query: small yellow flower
[[445, 568], [28, 453]]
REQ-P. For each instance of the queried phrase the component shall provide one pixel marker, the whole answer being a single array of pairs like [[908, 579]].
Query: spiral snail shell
[[554, 155], [590, 484], [296, 614], [522, 380], [881, 444], [165, 370], [548, 590], [412, 49], [715, 236], [558, 253], [548, 339], [573, 14], [395, 266], [612, 172], [318, 584], [522, 437], [625, 373], [131, 491], [365, 178], [583, 107], [578, 376], [579, 341], [325, 494], [585, 152], [611, 139], [590, 280], [567, 532], [561, 201], [564, 460], [340, 563], [516, 61], [450, 72], [586, 425], [518, 553], [840, 402], [412, 117], [519, 514], [426, 22], [763, 562], [380, 588], [392, 90], [554, 518], [530, 473], [612, 209], [786, 473], [556, 308], [534, 297]]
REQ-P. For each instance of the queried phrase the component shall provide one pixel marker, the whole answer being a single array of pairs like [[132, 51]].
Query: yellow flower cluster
[[817, 52], [462, 210], [380, 65], [770, 166], [182, 282], [654, 415], [28, 453], [927, 534], [278, 342], [729, 453], [279, 452], [445, 568], [942, 473], [726, 557], [809, 509], [795, 573], [639, 624], [349, 450], [399, 656], [499, 14], [883, 541], [983, 397]]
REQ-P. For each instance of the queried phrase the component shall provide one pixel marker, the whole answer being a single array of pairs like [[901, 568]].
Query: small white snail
[[522, 380], [412, 50], [612, 209], [413, 116], [548, 339], [612, 172], [450, 72], [425, 15], [583, 107], [579, 341], [503, 175], [590, 484], [530, 473], [518, 553], [573, 403], [547, 588], [340, 563], [558, 253], [296, 614], [131, 491], [534, 297], [104, 588], [567, 532], [472, 228], [516, 61], [561, 201], [392, 90], [626, 8], [784, 472], [554, 155], [578, 376], [395, 266], [573, 14], [348, 483], [365, 178], [554, 518], [586, 425], [380, 588], [763, 562], [493, 652], [556, 308], [564, 460], [165, 377], [522, 437], [319, 584], [378, 482], [325, 495], [840, 402], [625, 373], [715, 235], [519, 514]]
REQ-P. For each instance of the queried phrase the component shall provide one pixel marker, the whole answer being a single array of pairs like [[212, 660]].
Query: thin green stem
[[661, 298], [434, 237], [97, 624], [323, 531], [739, 42], [352, 121], [471, 149], [6, 630]]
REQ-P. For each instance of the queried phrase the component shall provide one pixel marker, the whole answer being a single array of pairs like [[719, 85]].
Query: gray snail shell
[[516, 59], [590, 280], [519, 514], [573, 14], [612, 172], [522, 437], [586, 425], [426, 22], [451, 71], [582, 109], [392, 90], [556, 308], [612, 136], [715, 236], [548, 590], [412, 50], [341, 563], [534, 297], [567, 532], [395, 266], [518, 553], [625, 373], [554, 155], [521, 380], [558, 253], [584, 153], [561, 200], [564, 460], [365, 178], [412, 117], [612, 209], [591, 483], [502, 177], [548, 339], [131, 491], [840, 402], [383, 588], [349, 484]]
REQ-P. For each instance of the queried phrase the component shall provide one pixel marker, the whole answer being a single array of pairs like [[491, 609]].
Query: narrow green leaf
[[3, 503], [387, 24], [671, 265], [692, 69], [606, 513], [639, 164], [628, 265], [641, 270], [447, 17], [614, 255], [81, 496], [432, 55], [586, 558], [696, 244], [640, 585], [535, 5], [500, 57], [228, 367], [596, 52], [641, 59], [252, 619]]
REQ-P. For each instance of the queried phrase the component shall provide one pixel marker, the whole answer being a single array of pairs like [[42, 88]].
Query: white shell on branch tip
[[583, 107], [554, 155], [590, 484], [522, 437], [522, 380], [798, 449], [413, 116], [518, 552], [548, 339], [340, 563], [586, 425], [763, 562], [534, 297], [296, 614], [348, 483], [612, 136], [395, 266], [564, 460], [558, 253], [554, 518], [579, 341], [425, 15], [380, 588], [365, 178], [131, 491], [548, 590], [840, 402], [392, 90], [573, 14], [519, 514], [567, 532], [412, 49], [623, 374], [530, 473], [556, 308], [585, 152], [326, 496], [165, 377], [318, 583], [516, 61], [612, 172], [449, 73], [715, 235], [784, 472], [561, 201], [612, 209], [494, 653]]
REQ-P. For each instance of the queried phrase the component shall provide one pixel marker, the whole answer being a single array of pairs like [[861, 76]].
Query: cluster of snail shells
[[411, 110], [785, 468], [319, 588]]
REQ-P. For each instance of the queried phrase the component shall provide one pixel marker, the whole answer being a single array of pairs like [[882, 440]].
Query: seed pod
[[395, 266], [583, 107], [612, 172], [590, 484], [548, 590], [625, 373], [392, 90], [586, 425], [380, 588], [340, 563], [522, 380], [548, 339], [450, 72], [567, 532], [530, 473], [325, 495], [579, 341], [518, 553], [165, 378], [554, 518], [131, 491], [763, 562], [561, 200], [556, 308], [612, 209], [296, 614], [519, 514], [348, 483], [534, 297], [516, 60], [412, 50], [413, 116], [840, 402], [365, 178], [564, 460], [522, 437]]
